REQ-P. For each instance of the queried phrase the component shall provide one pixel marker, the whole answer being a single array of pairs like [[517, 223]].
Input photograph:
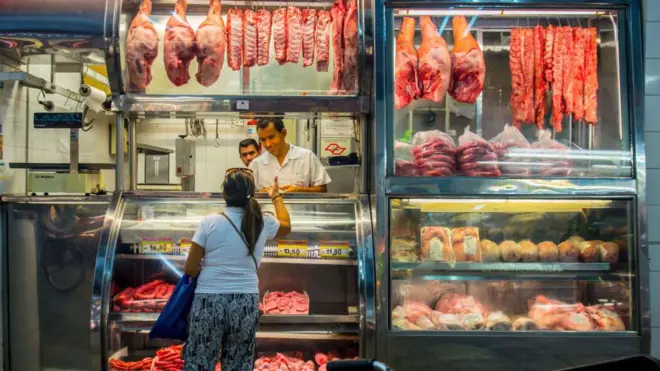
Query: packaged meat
[[278, 302], [434, 153], [568, 252], [436, 244], [465, 243], [498, 321], [606, 320], [588, 252], [490, 252], [608, 252], [456, 303], [403, 159], [444, 321], [512, 150], [511, 251], [404, 250], [476, 157], [548, 251], [529, 252], [524, 324], [551, 158]]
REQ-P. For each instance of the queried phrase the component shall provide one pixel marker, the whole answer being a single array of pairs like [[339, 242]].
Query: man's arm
[[313, 189], [319, 177]]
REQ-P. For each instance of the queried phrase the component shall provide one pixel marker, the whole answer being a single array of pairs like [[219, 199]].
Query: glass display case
[[316, 265]]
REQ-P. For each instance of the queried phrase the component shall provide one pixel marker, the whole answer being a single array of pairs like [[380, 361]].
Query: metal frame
[[410, 345], [129, 102]]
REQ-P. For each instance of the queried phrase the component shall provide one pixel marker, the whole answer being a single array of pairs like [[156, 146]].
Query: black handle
[[351, 365]]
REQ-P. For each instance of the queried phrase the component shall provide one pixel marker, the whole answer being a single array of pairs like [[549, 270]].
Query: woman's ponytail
[[252, 224]]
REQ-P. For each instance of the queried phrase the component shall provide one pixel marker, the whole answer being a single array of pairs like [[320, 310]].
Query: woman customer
[[225, 312]]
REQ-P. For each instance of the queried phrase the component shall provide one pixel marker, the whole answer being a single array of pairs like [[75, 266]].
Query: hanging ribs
[[323, 29], [539, 76], [294, 34], [280, 34], [578, 84], [558, 54], [249, 38], [264, 19], [308, 36]]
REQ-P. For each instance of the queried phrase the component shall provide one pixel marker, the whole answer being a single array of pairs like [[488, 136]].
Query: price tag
[[292, 249], [156, 245], [184, 246], [334, 250]]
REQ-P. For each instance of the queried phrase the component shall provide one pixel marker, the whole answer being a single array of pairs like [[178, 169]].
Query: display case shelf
[[514, 268], [267, 260], [265, 318]]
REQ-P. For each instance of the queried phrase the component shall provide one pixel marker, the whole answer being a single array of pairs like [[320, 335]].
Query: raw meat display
[[281, 362], [548, 61], [528, 74], [235, 39], [144, 365], [141, 48], [403, 250], [475, 156], [434, 62], [211, 41], [294, 40], [350, 34], [465, 243], [591, 76], [322, 359], [512, 148], [149, 298], [516, 46], [550, 314], [558, 59], [539, 76], [264, 23], [323, 30], [179, 45], [549, 163], [278, 302], [338, 13], [434, 153], [403, 159], [249, 38], [578, 73], [436, 244], [309, 36], [460, 304], [569, 61], [166, 359], [468, 66], [406, 80], [280, 34]]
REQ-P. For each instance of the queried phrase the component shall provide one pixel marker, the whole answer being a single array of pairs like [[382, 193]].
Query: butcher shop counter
[[312, 298]]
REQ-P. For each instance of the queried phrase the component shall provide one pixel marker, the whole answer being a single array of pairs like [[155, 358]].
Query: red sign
[[335, 149]]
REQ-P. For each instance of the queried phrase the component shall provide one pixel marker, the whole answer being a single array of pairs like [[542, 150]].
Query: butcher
[[298, 169], [248, 149]]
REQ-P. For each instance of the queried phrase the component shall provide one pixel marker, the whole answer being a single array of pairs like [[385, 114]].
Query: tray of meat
[[279, 302], [551, 314], [434, 153], [512, 149], [283, 362], [148, 298], [551, 158], [475, 156], [322, 359], [465, 243], [436, 244]]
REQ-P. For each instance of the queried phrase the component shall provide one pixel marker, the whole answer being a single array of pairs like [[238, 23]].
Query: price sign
[[184, 246], [292, 249], [156, 245], [334, 250]]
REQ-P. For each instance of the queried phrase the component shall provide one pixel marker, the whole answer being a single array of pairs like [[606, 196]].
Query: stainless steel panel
[[52, 249]]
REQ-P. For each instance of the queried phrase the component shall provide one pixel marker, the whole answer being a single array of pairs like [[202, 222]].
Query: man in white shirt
[[298, 169]]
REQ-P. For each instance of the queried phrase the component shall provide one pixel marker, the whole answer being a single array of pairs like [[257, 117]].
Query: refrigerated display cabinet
[[145, 243]]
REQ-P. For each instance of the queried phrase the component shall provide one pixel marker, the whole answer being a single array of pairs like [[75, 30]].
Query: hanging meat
[[539, 76], [249, 38], [264, 19], [350, 73], [323, 29], [528, 74], [558, 56], [309, 36], [569, 60], [211, 41], [516, 46], [280, 34], [591, 79], [579, 75], [234, 39], [468, 66], [141, 48], [406, 80], [294, 34], [338, 13], [434, 62], [179, 45], [548, 61]]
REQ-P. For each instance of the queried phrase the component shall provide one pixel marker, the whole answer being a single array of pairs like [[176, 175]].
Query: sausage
[[492, 156], [438, 172], [495, 173], [477, 166], [436, 165], [439, 157], [475, 144]]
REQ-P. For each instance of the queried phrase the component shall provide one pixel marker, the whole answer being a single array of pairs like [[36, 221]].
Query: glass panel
[[317, 261], [505, 99], [511, 265], [274, 78]]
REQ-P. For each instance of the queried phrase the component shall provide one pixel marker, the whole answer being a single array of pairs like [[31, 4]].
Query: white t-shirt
[[300, 168], [227, 268]]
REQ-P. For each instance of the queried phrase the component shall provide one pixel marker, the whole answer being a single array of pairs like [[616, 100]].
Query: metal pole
[[132, 155], [119, 152]]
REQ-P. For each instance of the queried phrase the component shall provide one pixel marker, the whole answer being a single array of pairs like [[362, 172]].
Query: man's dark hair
[[248, 142], [276, 121]]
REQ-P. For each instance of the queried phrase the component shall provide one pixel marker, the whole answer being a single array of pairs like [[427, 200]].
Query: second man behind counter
[[248, 149], [298, 169]]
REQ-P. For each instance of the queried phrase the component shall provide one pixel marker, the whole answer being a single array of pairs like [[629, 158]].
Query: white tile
[[652, 12], [651, 47], [652, 113], [654, 257], [652, 140], [652, 76], [654, 288], [653, 186], [654, 217]]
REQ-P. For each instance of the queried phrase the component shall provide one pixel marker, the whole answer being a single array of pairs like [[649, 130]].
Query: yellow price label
[[292, 249], [335, 250], [156, 246]]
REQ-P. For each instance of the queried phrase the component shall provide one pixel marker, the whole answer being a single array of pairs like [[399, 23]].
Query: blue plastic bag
[[173, 320]]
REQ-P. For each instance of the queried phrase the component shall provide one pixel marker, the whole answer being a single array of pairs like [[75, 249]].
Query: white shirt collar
[[294, 153]]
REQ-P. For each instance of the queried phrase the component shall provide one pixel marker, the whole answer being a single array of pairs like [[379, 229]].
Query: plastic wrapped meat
[[434, 153], [475, 156], [277, 302], [465, 243], [460, 304], [605, 319], [436, 244], [512, 149], [511, 251], [529, 252], [551, 158]]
